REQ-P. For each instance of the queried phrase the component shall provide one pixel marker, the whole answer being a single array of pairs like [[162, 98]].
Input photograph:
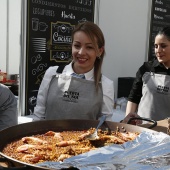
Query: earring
[[98, 57]]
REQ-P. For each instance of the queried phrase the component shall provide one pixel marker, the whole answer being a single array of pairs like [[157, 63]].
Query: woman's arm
[[131, 107], [108, 97], [131, 110], [135, 96]]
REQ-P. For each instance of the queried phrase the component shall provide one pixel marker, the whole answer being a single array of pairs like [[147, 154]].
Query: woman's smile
[[84, 53]]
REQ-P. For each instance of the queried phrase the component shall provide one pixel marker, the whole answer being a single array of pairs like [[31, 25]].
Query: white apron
[[155, 102], [73, 98]]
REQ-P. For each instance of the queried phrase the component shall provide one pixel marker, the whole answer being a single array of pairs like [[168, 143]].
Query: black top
[[150, 66]]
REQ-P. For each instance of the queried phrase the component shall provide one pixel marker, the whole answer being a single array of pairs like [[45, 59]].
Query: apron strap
[[60, 69], [152, 71]]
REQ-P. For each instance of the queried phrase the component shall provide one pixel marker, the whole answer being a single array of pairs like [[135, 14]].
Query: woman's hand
[[133, 122]]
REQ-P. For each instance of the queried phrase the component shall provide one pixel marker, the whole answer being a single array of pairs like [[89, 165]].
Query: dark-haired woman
[[150, 94]]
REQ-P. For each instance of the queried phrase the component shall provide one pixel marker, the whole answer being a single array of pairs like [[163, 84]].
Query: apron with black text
[[155, 102], [73, 98]]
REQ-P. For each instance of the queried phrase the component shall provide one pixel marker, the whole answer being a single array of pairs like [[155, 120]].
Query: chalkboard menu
[[49, 27], [160, 17]]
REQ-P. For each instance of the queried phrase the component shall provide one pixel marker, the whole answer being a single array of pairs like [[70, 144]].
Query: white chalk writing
[[39, 68], [160, 9], [84, 2], [61, 38], [158, 17], [48, 3], [159, 2], [75, 8], [39, 11], [65, 16]]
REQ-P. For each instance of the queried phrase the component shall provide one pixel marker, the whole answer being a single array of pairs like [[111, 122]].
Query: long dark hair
[[94, 33]]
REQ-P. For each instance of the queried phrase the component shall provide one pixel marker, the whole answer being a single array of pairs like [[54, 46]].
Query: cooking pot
[[32, 128]]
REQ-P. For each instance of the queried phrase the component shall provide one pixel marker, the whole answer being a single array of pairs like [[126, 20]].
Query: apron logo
[[162, 89], [71, 96]]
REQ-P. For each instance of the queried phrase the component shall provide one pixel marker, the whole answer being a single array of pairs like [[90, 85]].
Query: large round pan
[[32, 128]]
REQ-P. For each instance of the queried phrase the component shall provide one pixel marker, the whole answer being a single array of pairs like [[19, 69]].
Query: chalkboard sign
[[49, 27], [160, 17]]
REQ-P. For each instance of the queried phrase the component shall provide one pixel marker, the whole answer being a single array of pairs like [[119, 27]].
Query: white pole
[[22, 59], [96, 13], [7, 39]]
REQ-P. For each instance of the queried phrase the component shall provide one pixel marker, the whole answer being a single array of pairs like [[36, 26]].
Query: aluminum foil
[[147, 152]]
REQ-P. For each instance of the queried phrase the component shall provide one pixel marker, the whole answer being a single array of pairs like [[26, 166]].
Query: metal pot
[[32, 128]]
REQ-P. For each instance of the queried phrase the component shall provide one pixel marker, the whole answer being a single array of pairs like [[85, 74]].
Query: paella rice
[[57, 146]]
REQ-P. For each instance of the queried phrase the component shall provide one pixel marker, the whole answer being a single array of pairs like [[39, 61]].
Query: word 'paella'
[[57, 146]]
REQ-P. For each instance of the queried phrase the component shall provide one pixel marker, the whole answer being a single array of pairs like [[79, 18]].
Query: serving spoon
[[94, 135]]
